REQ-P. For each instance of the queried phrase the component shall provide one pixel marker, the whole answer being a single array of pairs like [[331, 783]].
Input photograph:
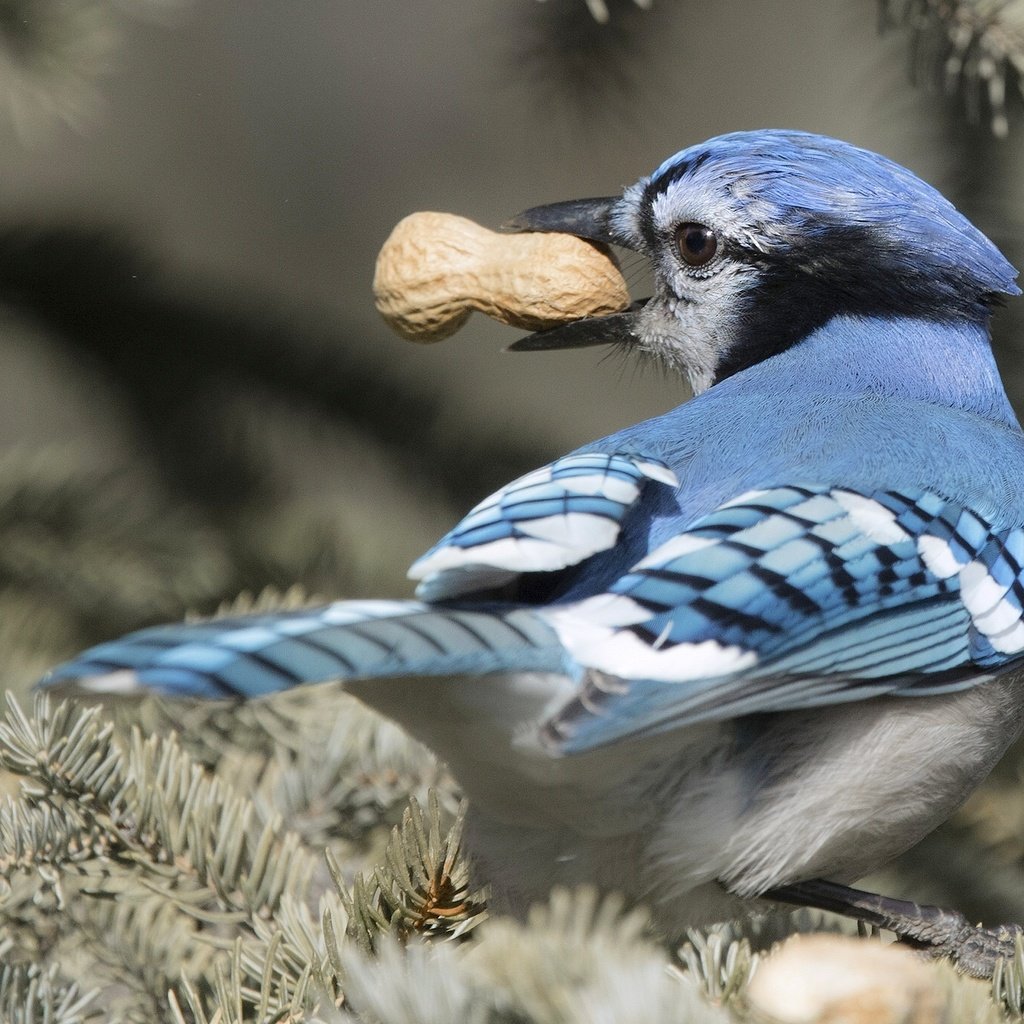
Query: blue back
[[839, 516], [868, 404]]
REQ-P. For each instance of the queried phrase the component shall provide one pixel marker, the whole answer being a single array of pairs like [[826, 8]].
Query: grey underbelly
[[839, 791], [747, 804]]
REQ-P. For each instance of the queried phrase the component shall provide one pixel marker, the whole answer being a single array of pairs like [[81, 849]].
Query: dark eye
[[696, 244]]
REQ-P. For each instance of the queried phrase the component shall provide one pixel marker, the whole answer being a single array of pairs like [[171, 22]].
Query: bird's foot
[[937, 932], [975, 950]]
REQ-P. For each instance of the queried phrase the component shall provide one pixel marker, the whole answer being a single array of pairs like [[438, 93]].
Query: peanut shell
[[436, 268], [835, 979]]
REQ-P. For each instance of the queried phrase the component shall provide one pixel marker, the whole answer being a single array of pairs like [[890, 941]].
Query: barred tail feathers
[[252, 656]]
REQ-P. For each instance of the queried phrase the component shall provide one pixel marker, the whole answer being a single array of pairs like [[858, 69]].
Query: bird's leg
[[973, 949]]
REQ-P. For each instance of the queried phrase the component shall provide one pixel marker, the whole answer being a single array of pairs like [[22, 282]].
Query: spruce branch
[[140, 946], [578, 958], [340, 776], [290, 972], [422, 888], [33, 995], [158, 809], [233, 999], [32, 836], [1008, 982], [720, 962], [174, 886], [974, 47], [147, 820]]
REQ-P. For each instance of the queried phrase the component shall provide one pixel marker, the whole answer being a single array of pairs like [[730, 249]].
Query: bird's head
[[758, 238]]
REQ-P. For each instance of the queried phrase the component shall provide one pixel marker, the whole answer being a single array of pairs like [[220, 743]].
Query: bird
[[747, 651]]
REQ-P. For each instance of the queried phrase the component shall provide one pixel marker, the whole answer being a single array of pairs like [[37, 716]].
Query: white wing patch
[[792, 597], [994, 606], [122, 682], [595, 632], [769, 571], [657, 471], [341, 613], [544, 544], [684, 544], [938, 556], [547, 520], [873, 519]]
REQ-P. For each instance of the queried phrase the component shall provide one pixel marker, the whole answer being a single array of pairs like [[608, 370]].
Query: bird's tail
[[251, 656]]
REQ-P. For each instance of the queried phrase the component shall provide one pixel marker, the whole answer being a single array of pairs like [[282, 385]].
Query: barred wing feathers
[[789, 598], [549, 519]]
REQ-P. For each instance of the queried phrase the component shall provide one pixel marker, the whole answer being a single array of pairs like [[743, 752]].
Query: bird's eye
[[696, 244]]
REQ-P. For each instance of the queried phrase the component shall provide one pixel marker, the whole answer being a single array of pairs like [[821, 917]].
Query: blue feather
[[844, 325], [714, 611], [254, 656], [802, 183]]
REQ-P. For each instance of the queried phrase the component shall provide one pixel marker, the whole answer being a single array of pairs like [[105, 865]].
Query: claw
[[977, 950]]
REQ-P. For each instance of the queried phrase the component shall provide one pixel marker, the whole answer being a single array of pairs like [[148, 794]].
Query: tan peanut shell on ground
[[836, 979], [436, 268]]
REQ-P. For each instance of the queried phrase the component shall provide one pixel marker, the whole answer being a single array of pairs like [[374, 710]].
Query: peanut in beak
[[436, 268]]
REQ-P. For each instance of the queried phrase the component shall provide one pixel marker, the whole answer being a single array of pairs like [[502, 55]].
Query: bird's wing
[[549, 519], [791, 598]]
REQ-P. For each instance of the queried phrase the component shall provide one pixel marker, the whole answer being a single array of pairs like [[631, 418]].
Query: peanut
[[835, 979], [436, 268]]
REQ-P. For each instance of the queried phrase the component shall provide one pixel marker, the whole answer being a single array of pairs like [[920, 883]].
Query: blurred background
[[197, 397]]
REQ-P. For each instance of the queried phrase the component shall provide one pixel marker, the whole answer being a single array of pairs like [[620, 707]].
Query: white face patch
[[696, 315], [702, 199], [694, 320]]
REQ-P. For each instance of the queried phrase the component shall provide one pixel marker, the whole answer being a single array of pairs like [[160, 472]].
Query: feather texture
[[657, 661], [791, 598], [549, 519], [253, 656]]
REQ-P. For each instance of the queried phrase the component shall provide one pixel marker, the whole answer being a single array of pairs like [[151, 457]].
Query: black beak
[[594, 330], [585, 218]]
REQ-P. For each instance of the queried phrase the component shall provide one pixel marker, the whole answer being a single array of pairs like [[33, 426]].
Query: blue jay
[[752, 648]]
